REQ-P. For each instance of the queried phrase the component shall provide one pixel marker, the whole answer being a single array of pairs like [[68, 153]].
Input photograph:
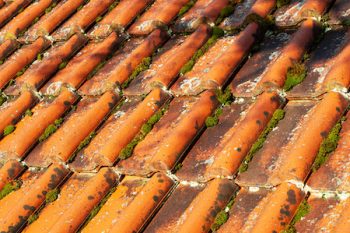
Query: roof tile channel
[[192, 208], [297, 11], [78, 197], [290, 149], [221, 149], [272, 73], [119, 129], [213, 69], [160, 14], [203, 11], [327, 66], [17, 206], [160, 150], [258, 210], [168, 62], [119, 18]]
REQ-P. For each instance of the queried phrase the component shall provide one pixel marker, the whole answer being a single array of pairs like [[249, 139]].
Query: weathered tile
[[275, 71], [192, 208], [213, 69], [17, 206], [8, 47], [161, 13], [203, 11], [119, 18], [30, 128], [221, 149], [77, 126], [297, 11], [11, 9], [170, 137], [289, 151], [118, 69], [9, 171], [131, 205], [77, 198], [168, 62], [263, 210], [246, 9], [118, 131], [326, 67], [340, 13]]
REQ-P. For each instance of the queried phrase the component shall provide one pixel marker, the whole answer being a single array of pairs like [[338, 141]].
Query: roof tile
[[192, 208], [221, 149], [161, 149], [290, 149], [339, 13], [11, 9], [118, 131], [8, 47], [131, 205], [9, 171]]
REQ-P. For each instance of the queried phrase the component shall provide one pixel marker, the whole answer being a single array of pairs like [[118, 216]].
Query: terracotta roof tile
[[8, 47], [168, 62], [132, 204], [17, 206], [263, 210], [78, 197], [11, 8], [119, 130], [339, 13], [161, 149], [9, 171], [221, 149], [213, 69], [290, 149]]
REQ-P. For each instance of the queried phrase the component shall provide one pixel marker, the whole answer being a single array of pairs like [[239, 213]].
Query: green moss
[[97, 68], [9, 188], [276, 117], [145, 129], [186, 8], [226, 11], [328, 145], [62, 65], [9, 129], [98, 19], [86, 141], [217, 33], [295, 75], [222, 216], [32, 218], [3, 98], [144, 65], [213, 120], [28, 112], [346, 22], [303, 209], [114, 4], [52, 195], [224, 97], [49, 9], [50, 129], [39, 57], [281, 3], [19, 73], [177, 167]]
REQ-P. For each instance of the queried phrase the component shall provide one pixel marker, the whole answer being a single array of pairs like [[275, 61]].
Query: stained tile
[[340, 13], [8, 11], [9, 171]]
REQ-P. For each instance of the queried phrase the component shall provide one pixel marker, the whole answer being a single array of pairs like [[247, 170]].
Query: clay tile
[[77, 126], [246, 9], [168, 62], [17, 206], [78, 197], [214, 68], [297, 11], [131, 205], [186, 210], [118, 131], [8, 47], [164, 145], [220, 150], [118, 69], [339, 13], [30, 128], [289, 151], [9, 171], [263, 210], [11, 9], [161, 13], [203, 11], [119, 18]]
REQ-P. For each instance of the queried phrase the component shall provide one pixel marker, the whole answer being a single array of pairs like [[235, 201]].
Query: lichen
[[9, 129], [328, 145], [144, 65], [303, 209], [50, 129], [276, 117], [9, 188], [295, 75]]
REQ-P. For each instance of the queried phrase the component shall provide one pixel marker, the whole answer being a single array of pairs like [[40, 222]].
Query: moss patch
[[32, 218], [62, 65], [281, 3], [186, 8], [144, 65], [214, 119], [9, 188], [9, 129], [52, 195], [145, 129], [328, 145], [51, 129], [346, 22], [226, 11], [303, 209], [224, 97], [222, 216], [277, 116], [295, 75]]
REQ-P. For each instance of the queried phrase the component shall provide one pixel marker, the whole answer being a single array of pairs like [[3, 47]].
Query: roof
[[174, 116]]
